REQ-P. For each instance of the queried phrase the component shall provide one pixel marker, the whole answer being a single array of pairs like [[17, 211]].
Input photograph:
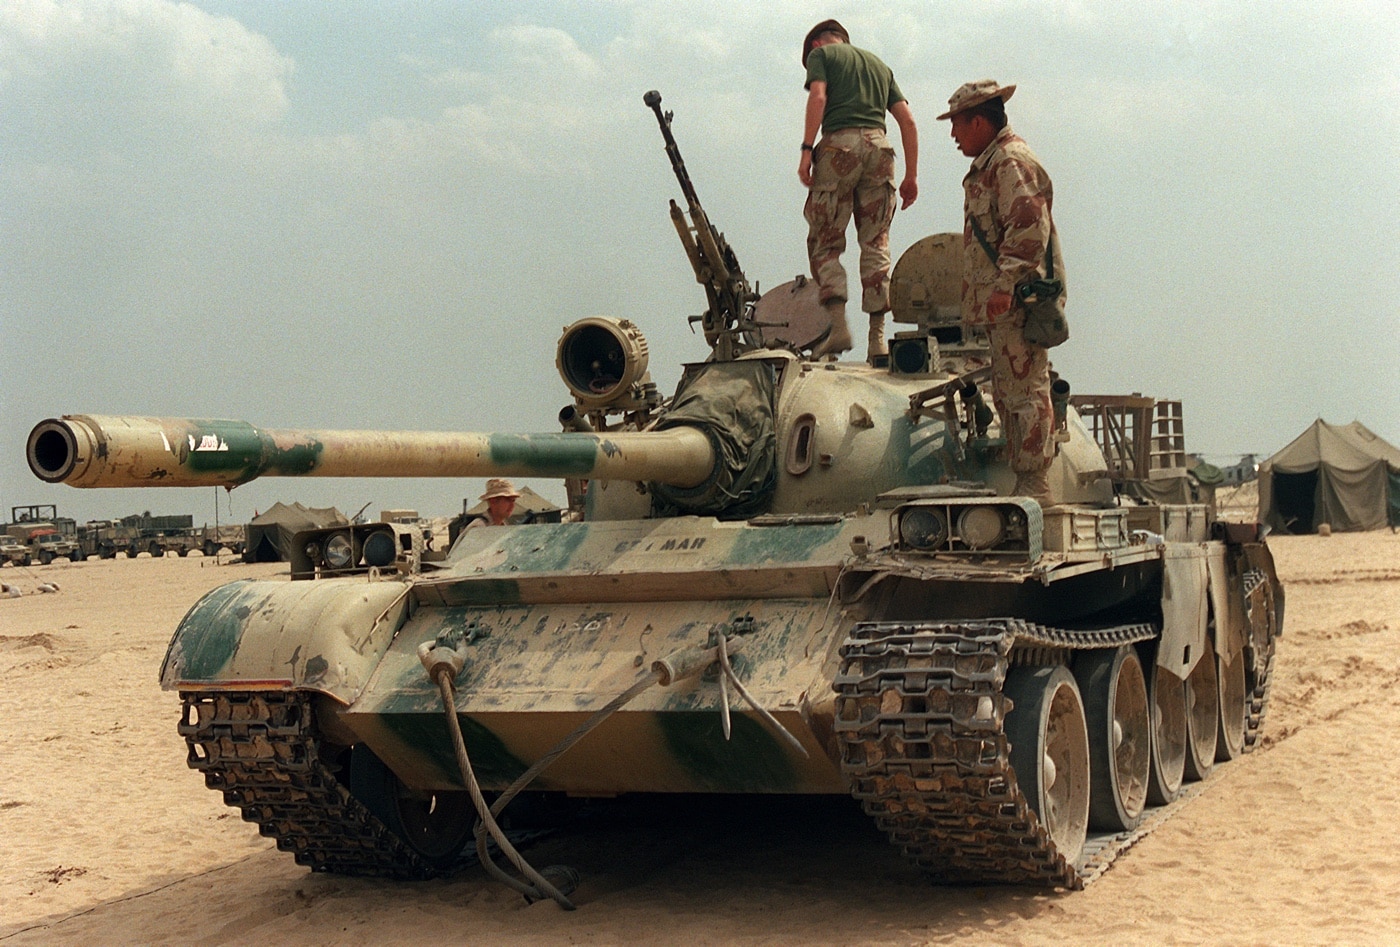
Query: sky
[[375, 215]]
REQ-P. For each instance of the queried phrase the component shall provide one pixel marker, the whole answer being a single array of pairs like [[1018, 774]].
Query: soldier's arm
[[816, 108], [909, 136], [1023, 211]]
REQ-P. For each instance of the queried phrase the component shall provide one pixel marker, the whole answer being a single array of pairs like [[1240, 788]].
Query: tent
[[270, 534], [1342, 475]]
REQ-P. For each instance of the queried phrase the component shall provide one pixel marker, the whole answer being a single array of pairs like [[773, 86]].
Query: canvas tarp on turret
[[1343, 475], [270, 534]]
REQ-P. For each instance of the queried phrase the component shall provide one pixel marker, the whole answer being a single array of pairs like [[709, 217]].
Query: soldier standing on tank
[[1007, 196], [850, 171]]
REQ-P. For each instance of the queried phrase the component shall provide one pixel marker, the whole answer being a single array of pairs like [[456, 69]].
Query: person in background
[[500, 497]]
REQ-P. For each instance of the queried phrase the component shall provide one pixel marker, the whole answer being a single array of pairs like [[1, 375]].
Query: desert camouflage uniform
[[1009, 194], [852, 174]]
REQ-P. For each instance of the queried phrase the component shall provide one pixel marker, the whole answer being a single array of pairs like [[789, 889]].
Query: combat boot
[[877, 353], [838, 337], [1033, 484]]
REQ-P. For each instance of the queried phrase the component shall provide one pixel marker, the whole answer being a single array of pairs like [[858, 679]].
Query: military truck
[[13, 552], [213, 538], [160, 535], [791, 576], [45, 535], [105, 538]]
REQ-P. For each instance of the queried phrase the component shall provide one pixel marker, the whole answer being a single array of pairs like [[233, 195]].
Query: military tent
[[1342, 475], [270, 534]]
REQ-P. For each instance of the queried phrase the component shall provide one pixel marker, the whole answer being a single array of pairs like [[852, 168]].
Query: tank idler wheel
[[1202, 715], [1117, 713], [1050, 752], [1234, 702], [1167, 696], [436, 825]]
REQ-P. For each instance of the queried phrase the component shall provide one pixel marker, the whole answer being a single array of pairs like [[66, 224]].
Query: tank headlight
[[923, 528], [379, 549], [981, 527], [340, 551]]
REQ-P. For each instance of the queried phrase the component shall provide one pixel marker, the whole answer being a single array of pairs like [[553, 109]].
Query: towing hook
[[437, 658]]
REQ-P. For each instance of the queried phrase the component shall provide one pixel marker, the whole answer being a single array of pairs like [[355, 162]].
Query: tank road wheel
[[1234, 698], [1050, 752], [1120, 736], [435, 825], [1167, 695], [1202, 715]]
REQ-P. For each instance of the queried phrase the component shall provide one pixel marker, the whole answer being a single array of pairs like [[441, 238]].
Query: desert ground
[[108, 838]]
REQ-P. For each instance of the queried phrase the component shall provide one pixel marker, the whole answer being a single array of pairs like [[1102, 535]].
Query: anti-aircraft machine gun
[[729, 322], [789, 577]]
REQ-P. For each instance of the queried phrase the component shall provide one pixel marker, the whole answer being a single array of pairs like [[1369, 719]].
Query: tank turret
[[790, 576]]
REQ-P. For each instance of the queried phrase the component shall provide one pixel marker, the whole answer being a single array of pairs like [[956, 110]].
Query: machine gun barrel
[[125, 451], [715, 264], [673, 151]]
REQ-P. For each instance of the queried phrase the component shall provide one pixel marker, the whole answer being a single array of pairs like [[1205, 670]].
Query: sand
[[107, 837]]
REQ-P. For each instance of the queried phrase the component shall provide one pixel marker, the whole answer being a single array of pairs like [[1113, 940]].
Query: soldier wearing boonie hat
[[850, 173], [1008, 232], [500, 497]]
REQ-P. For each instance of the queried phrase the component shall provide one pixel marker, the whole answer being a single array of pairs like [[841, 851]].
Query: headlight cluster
[[354, 549], [1002, 525]]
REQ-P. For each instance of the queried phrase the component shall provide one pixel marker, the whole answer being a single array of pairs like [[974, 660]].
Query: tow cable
[[444, 660]]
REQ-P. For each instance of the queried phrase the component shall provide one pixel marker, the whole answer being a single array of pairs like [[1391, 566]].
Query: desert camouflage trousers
[[1021, 393], [852, 175]]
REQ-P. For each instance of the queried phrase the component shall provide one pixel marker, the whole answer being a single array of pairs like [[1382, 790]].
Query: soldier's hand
[[804, 169], [909, 191]]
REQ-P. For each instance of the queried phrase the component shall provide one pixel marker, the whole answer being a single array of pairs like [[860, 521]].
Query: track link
[[259, 749], [920, 722], [1260, 646]]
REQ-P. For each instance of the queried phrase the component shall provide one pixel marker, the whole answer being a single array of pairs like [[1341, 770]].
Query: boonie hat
[[975, 93], [825, 26], [499, 488]]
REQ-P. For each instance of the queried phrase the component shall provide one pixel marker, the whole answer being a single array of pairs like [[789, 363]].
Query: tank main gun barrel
[[125, 451]]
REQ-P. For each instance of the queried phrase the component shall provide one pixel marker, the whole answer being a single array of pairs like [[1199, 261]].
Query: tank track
[[1260, 647], [259, 749], [920, 724]]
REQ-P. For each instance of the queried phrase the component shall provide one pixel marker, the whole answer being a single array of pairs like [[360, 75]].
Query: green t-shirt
[[860, 88]]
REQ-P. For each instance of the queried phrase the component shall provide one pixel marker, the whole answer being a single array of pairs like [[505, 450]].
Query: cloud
[[130, 71]]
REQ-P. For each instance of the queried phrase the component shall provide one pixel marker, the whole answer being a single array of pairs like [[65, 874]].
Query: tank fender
[[326, 636], [1226, 604], [1185, 597]]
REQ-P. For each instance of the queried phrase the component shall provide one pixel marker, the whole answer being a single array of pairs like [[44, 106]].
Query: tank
[[789, 576]]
